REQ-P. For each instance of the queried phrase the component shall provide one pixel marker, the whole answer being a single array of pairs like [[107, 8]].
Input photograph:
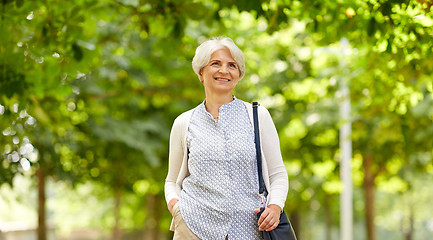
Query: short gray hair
[[205, 50]]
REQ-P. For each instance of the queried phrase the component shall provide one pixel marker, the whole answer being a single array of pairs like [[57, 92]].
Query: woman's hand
[[270, 218], [171, 205]]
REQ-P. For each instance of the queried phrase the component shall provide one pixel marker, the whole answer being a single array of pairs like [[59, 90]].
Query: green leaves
[[78, 53], [11, 82], [102, 81], [138, 135]]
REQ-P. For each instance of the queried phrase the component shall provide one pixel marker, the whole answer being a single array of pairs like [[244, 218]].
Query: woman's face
[[221, 74]]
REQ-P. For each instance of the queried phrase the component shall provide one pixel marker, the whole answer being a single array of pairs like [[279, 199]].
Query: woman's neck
[[214, 102]]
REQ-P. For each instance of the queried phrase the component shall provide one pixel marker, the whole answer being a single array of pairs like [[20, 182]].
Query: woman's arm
[[176, 153], [278, 178]]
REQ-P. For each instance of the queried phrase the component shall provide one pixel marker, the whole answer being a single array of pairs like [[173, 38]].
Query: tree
[[94, 86]]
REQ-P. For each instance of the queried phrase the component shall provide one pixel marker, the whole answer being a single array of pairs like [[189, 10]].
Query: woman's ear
[[200, 75]]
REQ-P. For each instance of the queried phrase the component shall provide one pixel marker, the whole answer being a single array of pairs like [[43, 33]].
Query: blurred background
[[89, 90]]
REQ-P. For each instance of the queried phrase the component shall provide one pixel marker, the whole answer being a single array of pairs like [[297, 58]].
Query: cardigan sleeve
[[176, 153], [278, 178]]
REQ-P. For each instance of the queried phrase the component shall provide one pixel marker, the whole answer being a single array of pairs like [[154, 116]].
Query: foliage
[[89, 89]]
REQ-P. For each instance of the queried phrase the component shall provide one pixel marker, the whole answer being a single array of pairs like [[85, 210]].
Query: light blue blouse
[[221, 192]]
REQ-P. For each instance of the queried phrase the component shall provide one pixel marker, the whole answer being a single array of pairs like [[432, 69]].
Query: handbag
[[284, 230]]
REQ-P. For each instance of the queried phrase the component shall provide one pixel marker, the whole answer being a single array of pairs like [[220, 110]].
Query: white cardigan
[[274, 171]]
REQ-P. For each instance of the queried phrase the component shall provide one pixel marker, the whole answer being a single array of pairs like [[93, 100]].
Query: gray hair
[[205, 50]]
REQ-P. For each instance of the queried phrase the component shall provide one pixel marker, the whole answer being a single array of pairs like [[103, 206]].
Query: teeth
[[222, 79]]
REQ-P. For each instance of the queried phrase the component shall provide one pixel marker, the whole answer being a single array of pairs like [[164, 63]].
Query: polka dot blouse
[[221, 192]]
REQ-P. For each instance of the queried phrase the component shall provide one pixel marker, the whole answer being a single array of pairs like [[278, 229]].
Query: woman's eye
[[233, 65], [214, 63]]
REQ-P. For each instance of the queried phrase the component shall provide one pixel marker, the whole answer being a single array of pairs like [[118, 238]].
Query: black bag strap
[[258, 148]]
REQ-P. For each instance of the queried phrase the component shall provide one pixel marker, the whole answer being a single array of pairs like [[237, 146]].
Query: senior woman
[[212, 184]]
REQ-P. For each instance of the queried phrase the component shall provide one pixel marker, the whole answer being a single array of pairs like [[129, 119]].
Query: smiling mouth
[[222, 79]]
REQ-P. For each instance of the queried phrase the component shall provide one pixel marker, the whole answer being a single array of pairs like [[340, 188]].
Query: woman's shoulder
[[184, 118], [262, 109]]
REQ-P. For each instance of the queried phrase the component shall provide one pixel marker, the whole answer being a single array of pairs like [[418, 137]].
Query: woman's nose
[[224, 69]]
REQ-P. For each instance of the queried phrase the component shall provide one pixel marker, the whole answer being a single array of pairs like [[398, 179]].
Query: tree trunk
[[116, 229], [328, 216], [42, 228], [408, 234], [369, 187], [153, 208]]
